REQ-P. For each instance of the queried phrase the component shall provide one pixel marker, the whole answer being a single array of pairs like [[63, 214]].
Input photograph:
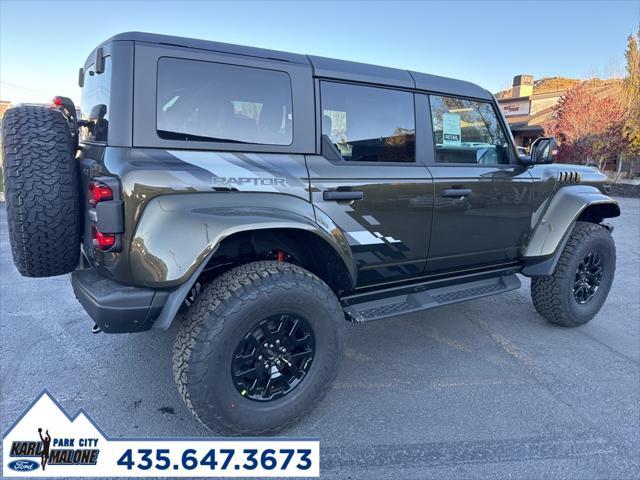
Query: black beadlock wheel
[[259, 348], [588, 277], [42, 191], [579, 286], [273, 357]]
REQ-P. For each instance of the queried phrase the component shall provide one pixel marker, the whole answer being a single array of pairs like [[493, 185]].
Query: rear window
[[204, 101], [369, 124], [94, 102]]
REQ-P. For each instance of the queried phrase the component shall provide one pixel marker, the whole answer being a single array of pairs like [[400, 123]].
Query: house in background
[[4, 106], [528, 104]]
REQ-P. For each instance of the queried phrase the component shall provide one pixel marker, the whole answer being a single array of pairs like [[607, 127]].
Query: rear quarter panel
[[146, 174]]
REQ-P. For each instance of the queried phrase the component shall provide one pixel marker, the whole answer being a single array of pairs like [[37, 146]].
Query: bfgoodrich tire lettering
[[41, 191], [224, 312], [553, 295]]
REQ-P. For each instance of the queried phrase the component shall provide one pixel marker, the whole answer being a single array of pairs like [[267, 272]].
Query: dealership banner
[[46, 442]]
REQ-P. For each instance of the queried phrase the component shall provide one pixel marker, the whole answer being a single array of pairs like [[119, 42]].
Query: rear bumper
[[115, 307]]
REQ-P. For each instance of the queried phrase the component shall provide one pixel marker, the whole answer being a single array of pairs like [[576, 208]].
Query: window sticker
[[451, 129]]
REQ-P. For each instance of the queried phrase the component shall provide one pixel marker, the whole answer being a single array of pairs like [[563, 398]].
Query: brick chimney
[[522, 86]]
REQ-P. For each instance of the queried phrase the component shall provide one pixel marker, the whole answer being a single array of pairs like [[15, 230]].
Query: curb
[[625, 190]]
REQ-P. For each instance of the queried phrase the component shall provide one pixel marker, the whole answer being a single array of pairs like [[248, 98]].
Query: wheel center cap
[[270, 354]]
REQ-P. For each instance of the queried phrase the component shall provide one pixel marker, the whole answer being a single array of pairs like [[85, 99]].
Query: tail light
[[99, 192], [106, 213], [102, 241]]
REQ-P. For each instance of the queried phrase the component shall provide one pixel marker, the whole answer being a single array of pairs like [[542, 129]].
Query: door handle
[[456, 192], [342, 195]]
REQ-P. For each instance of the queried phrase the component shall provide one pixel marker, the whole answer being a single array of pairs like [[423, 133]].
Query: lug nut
[[277, 342], [265, 345], [259, 357]]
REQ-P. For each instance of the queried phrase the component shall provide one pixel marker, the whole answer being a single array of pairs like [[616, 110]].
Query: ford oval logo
[[23, 465]]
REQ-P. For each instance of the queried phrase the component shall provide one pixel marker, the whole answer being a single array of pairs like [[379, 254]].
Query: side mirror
[[544, 150], [98, 65]]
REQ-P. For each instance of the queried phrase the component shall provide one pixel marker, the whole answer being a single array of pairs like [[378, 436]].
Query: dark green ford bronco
[[260, 199]]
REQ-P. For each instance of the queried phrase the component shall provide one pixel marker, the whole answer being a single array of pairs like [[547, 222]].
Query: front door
[[369, 182], [482, 198]]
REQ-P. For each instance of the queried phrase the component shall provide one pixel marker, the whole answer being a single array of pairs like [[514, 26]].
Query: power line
[[13, 85]]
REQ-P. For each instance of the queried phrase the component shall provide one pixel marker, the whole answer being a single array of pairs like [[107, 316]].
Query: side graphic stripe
[[188, 178], [223, 167], [363, 237]]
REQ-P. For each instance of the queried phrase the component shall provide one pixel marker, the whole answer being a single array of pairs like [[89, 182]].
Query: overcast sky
[[42, 44]]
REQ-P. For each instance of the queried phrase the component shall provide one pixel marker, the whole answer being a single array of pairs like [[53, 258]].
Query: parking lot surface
[[474, 390]]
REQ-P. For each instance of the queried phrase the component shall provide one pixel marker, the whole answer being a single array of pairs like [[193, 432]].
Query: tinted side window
[[223, 103], [369, 124], [94, 102], [466, 131]]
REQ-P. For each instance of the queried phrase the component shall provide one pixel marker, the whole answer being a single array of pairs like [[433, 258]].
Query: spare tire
[[42, 191]]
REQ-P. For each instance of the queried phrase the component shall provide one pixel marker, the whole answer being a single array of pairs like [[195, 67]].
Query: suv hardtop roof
[[322, 66]]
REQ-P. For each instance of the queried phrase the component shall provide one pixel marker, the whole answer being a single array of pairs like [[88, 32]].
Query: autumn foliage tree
[[591, 129], [632, 91]]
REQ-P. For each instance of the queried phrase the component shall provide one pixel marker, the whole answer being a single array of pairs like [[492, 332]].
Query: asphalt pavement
[[475, 390]]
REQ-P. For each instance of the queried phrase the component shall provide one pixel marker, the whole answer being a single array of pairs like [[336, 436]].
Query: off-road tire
[[41, 191], [224, 312], [553, 294]]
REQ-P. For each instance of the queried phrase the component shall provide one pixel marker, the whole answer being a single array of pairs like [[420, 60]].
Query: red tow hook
[[280, 256]]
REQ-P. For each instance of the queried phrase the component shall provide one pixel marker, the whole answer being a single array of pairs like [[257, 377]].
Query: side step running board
[[424, 300]]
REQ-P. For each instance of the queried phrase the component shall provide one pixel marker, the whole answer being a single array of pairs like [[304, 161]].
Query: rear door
[[482, 196], [368, 179]]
